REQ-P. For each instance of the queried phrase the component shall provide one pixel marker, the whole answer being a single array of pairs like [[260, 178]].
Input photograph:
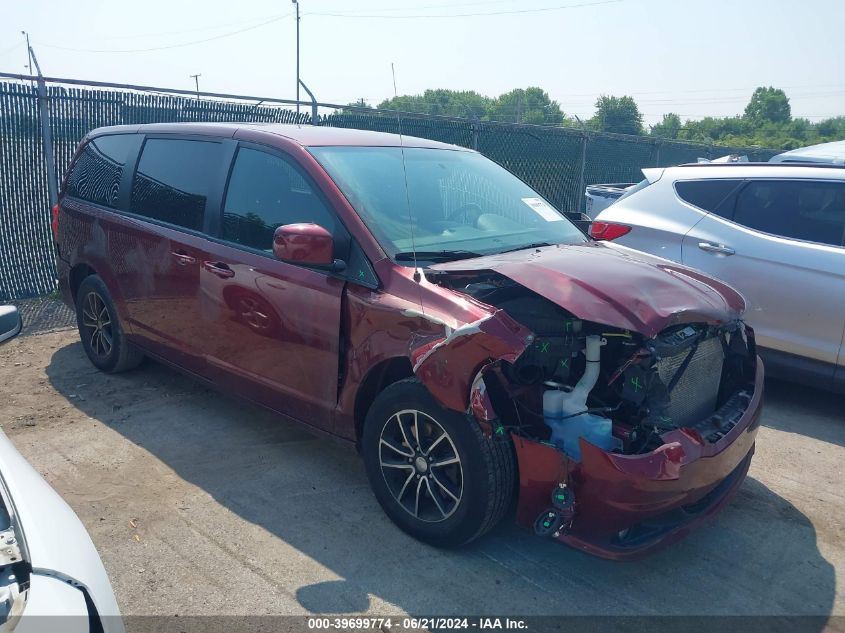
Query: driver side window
[[265, 192]]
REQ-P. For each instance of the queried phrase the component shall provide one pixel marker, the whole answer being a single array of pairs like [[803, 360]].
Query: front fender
[[449, 366]]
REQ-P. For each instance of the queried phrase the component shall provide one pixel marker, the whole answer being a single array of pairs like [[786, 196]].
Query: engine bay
[[617, 389]]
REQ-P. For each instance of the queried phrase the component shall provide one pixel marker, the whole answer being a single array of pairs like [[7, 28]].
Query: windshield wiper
[[435, 256], [533, 245]]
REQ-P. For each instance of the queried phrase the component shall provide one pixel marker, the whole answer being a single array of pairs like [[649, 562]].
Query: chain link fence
[[557, 162]]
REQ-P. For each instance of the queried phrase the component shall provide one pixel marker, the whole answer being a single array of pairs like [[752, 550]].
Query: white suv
[[776, 232]]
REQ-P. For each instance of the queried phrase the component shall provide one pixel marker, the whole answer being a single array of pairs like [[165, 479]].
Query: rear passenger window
[[96, 174], [800, 209], [173, 180], [266, 191], [713, 196]]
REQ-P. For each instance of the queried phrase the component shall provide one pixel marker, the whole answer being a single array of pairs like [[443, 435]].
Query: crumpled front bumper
[[627, 506]]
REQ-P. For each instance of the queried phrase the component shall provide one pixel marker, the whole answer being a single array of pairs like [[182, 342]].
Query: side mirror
[[308, 244], [10, 322]]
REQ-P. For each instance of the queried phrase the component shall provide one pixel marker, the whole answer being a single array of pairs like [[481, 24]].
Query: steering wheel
[[464, 209]]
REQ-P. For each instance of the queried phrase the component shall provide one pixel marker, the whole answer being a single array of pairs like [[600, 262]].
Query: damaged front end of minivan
[[632, 409]]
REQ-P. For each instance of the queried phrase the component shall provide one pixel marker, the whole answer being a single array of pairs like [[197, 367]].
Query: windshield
[[461, 203]]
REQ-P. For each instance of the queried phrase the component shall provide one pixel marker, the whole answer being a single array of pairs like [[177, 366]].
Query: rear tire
[[434, 472], [100, 329]]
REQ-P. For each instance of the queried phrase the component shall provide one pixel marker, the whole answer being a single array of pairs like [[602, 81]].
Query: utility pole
[[296, 2], [197, 83], [28, 51], [46, 132]]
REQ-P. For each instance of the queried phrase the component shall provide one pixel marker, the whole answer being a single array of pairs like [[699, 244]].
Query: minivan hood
[[614, 285]]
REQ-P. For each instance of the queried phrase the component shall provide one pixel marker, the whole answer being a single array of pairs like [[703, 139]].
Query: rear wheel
[[100, 329], [433, 471]]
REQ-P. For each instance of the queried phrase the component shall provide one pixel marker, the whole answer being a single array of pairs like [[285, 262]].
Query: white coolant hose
[[576, 400]]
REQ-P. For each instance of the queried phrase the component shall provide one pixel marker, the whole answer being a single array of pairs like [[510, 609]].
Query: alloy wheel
[[97, 324], [421, 466]]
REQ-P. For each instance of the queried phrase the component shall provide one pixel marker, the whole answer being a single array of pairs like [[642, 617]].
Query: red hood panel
[[614, 285]]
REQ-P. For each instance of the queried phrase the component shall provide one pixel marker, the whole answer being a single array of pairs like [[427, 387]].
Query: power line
[[198, 29], [664, 102], [171, 46], [828, 89], [463, 15], [452, 5], [716, 116], [11, 48], [508, 111], [580, 105], [718, 99], [634, 92], [674, 102]]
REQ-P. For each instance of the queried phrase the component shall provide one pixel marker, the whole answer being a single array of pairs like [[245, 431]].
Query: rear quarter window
[[714, 196], [97, 172], [174, 179]]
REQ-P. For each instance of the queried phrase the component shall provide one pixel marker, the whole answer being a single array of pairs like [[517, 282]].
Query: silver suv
[[776, 232]]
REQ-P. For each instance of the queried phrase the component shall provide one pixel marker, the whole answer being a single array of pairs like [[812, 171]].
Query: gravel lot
[[200, 504]]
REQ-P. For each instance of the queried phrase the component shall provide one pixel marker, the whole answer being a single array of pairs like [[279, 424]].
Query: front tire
[[433, 471], [100, 329]]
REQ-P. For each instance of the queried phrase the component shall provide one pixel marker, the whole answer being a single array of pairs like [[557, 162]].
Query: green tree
[[354, 107], [669, 127], [832, 129], [801, 130], [459, 103], [768, 105], [529, 105], [712, 129], [767, 121], [617, 114]]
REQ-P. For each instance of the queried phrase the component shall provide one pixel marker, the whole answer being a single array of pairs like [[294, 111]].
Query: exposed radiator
[[694, 396]]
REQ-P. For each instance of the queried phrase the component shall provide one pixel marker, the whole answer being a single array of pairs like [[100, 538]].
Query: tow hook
[[557, 520]]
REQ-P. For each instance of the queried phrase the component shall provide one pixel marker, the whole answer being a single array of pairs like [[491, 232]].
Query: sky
[[693, 57]]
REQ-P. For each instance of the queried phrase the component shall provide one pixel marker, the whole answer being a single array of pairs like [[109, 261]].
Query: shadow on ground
[[760, 556], [820, 412]]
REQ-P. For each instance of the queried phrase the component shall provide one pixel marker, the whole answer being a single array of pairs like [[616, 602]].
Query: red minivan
[[422, 303]]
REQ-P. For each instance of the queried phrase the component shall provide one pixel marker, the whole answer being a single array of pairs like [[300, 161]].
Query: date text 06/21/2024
[[416, 623]]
